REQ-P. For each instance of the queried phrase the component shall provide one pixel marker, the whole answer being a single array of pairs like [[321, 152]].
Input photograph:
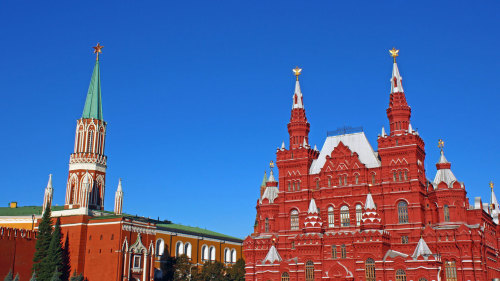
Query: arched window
[[285, 276], [309, 271], [266, 228], [334, 251], [204, 253], [160, 247], [317, 184], [400, 275], [373, 178], [179, 249], [90, 141], [331, 217], [446, 211], [294, 220], [451, 271], [298, 185], [356, 178], [402, 212], [406, 175], [400, 176], [344, 216], [227, 255], [343, 251], [394, 175], [211, 252], [359, 214], [345, 180], [233, 255], [187, 250], [289, 186], [329, 181], [370, 270], [340, 180]]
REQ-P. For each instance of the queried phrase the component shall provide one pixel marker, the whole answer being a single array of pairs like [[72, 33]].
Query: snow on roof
[[357, 142], [393, 254], [270, 193], [422, 249], [272, 255], [369, 202], [312, 207]]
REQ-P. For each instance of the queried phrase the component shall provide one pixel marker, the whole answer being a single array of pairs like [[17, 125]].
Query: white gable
[[356, 142]]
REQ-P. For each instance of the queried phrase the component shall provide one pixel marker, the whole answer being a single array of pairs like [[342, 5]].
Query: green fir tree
[[56, 276], [17, 277], [75, 277], [43, 239], [237, 271], [8, 277], [66, 266], [33, 277], [55, 252]]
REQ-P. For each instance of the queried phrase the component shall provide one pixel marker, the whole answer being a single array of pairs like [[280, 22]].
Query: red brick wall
[[17, 249]]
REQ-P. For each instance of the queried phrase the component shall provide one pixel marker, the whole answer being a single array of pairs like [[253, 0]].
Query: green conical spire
[[93, 103], [264, 180]]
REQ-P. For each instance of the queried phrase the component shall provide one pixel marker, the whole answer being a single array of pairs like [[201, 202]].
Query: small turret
[[444, 173], [47, 197], [313, 222], [495, 209], [370, 218], [119, 198]]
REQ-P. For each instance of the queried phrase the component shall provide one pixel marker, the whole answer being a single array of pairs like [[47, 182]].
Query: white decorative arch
[[160, 247], [179, 248], [211, 252], [187, 249], [233, 255]]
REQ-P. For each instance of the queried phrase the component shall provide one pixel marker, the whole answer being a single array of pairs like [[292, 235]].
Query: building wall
[[17, 248]]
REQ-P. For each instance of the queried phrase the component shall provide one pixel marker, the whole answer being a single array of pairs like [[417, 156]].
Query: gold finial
[[394, 53], [97, 50], [491, 185], [297, 71], [271, 164], [441, 144]]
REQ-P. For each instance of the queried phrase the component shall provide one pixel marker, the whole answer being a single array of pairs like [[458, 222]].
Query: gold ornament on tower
[[441, 144], [297, 71], [97, 50], [394, 53]]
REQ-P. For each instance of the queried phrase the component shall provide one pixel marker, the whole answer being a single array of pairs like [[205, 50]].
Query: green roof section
[[264, 180], [26, 210], [197, 230], [93, 103]]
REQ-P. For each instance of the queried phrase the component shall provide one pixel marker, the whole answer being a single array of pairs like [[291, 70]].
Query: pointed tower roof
[[421, 250], [119, 189], [49, 184], [297, 95], [369, 204], [383, 132], [283, 145], [272, 255], [444, 173], [495, 209], [312, 207], [396, 79], [264, 180], [93, 103]]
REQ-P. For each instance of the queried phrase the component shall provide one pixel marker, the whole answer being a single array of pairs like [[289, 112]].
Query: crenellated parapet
[[15, 233]]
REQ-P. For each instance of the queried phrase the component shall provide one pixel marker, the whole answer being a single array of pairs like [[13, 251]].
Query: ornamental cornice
[[137, 229], [88, 158]]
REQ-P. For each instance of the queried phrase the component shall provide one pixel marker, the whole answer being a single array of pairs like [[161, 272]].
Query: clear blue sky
[[197, 94]]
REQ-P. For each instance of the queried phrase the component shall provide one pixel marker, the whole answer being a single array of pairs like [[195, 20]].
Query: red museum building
[[348, 212]]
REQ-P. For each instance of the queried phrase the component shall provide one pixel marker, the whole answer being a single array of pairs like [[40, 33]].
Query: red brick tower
[[87, 164]]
